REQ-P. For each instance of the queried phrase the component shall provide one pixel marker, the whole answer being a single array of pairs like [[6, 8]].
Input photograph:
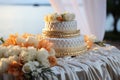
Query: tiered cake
[[61, 30]]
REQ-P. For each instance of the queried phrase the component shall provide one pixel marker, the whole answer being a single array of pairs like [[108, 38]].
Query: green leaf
[[102, 44], [2, 40]]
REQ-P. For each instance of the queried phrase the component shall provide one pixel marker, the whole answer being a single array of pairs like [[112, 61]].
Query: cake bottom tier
[[68, 46], [70, 52]]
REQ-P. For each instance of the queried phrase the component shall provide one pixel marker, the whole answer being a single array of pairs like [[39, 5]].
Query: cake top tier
[[55, 17]]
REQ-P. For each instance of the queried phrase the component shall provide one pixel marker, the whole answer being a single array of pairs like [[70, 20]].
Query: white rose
[[33, 52], [20, 40], [32, 40], [9, 47], [15, 50], [92, 38], [35, 63], [45, 63], [72, 16], [23, 49], [13, 58], [42, 54], [32, 49], [52, 52], [4, 63], [28, 67], [35, 74], [67, 17], [6, 54], [3, 50], [55, 15], [27, 56]]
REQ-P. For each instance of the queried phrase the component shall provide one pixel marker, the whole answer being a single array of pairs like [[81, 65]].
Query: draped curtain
[[90, 14]]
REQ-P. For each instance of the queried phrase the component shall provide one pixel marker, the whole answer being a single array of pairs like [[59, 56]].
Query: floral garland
[[27, 57]]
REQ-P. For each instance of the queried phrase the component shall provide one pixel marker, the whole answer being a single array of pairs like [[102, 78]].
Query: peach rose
[[52, 60]]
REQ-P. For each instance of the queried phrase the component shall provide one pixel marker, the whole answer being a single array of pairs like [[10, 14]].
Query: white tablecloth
[[100, 63]]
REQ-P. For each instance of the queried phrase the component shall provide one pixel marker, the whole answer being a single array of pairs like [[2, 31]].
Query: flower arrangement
[[90, 39], [27, 57], [55, 17]]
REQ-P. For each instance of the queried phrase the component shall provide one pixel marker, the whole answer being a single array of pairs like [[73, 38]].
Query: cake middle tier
[[65, 26]]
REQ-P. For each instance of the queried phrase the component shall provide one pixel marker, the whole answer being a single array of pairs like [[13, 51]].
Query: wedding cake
[[61, 30]]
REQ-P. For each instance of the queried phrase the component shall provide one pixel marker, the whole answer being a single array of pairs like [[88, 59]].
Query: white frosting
[[64, 43], [61, 26]]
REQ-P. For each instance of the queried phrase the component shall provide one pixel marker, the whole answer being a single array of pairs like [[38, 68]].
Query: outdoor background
[[20, 16]]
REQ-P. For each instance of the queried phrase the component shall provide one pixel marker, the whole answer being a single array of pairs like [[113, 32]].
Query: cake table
[[99, 63]]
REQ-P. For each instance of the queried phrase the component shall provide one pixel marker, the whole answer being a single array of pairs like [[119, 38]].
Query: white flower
[[32, 40], [35, 63], [52, 52], [45, 63], [26, 68], [55, 15], [4, 62], [3, 50], [15, 50], [92, 38], [13, 58], [23, 49], [67, 17], [6, 54], [35, 74], [27, 56], [42, 54], [20, 40], [33, 52], [72, 16], [32, 49], [51, 17], [29, 67], [9, 47]]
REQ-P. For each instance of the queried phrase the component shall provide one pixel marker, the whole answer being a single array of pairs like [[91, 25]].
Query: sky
[[23, 1], [28, 1]]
